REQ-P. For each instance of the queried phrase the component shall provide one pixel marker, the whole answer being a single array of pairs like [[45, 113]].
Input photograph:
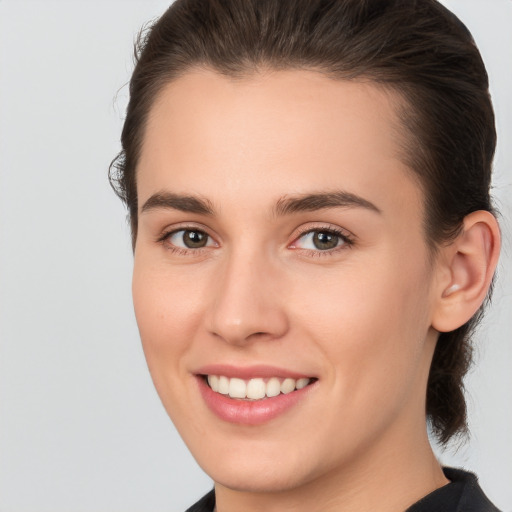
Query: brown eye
[[189, 239], [323, 240], [194, 239]]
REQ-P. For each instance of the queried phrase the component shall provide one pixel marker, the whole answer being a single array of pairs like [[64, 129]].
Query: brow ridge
[[284, 206], [184, 203], [322, 200]]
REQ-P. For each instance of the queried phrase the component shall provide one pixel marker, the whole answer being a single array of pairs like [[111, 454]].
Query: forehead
[[296, 129]]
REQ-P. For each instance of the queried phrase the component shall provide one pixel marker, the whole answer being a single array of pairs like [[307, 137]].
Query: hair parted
[[414, 47]]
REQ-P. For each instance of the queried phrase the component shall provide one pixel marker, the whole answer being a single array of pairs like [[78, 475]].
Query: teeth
[[213, 380], [273, 387], [223, 385], [237, 388], [287, 386], [255, 389], [302, 383]]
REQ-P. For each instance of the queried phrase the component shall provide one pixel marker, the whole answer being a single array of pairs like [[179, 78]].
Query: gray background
[[81, 428]]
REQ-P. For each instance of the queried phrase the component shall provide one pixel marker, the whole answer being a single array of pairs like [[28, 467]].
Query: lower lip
[[249, 412]]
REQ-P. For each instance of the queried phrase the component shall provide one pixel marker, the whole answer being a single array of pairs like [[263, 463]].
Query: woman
[[308, 188]]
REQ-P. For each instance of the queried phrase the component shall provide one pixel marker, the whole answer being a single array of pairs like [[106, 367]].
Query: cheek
[[168, 310], [371, 328], [371, 322]]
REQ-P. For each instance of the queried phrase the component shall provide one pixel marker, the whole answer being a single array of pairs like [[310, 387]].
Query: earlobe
[[469, 263]]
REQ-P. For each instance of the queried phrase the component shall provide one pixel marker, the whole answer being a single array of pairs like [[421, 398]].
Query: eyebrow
[[284, 206], [320, 201], [168, 200]]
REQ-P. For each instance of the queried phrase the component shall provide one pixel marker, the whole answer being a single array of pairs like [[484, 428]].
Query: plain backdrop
[[81, 427]]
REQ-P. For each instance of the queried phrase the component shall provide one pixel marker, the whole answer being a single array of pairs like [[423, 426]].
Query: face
[[281, 257]]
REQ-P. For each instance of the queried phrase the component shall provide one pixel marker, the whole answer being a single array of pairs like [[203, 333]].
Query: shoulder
[[205, 504], [473, 498], [462, 494]]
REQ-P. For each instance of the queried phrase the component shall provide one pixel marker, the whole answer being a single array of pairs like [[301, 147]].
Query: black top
[[462, 494]]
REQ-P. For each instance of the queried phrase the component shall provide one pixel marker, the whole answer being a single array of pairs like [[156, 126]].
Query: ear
[[466, 268]]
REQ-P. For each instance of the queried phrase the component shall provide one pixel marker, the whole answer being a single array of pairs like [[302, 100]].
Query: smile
[[253, 399], [255, 389]]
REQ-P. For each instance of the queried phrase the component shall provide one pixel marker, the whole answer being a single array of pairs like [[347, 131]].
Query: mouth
[[256, 399], [256, 388]]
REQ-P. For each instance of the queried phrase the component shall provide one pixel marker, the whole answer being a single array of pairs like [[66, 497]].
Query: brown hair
[[416, 47]]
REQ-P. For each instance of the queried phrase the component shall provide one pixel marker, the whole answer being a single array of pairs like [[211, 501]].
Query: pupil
[[323, 240], [194, 239]]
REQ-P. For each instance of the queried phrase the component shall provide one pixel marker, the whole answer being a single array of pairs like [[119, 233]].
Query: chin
[[260, 468], [264, 478]]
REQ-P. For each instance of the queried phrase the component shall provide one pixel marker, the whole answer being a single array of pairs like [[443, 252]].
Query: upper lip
[[250, 372]]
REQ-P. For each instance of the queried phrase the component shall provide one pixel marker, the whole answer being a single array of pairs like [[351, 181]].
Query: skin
[[360, 317]]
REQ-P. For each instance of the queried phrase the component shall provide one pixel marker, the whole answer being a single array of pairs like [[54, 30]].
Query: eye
[[189, 239], [321, 240]]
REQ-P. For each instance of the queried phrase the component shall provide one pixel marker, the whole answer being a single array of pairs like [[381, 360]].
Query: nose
[[247, 303]]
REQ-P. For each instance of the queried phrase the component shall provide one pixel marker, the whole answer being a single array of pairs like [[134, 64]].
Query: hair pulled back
[[415, 47]]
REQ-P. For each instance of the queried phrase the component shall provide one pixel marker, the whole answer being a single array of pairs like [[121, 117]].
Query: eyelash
[[181, 251], [346, 240]]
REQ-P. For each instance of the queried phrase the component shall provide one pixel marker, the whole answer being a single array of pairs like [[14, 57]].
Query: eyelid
[[165, 234], [178, 226], [346, 237]]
